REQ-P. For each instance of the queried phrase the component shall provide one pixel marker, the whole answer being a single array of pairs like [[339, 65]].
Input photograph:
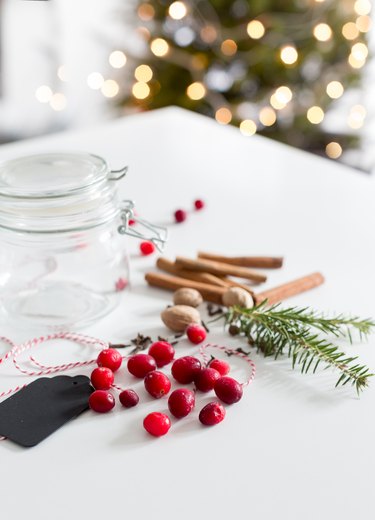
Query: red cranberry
[[101, 401], [220, 365], [206, 379], [121, 284], [198, 204], [185, 369], [102, 378], [181, 402], [157, 384], [180, 215], [110, 358], [147, 248], [157, 424], [162, 352], [140, 365], [212, 413], [128, 398], [228, 390], [196, 333]]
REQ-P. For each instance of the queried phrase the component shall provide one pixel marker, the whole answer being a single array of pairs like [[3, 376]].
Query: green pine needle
[[297, 332]]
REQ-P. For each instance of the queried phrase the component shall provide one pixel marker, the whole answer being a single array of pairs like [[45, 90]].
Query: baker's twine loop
[[232, 352]]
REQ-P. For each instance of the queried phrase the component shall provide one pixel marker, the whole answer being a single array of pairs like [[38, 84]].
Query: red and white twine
[[232, 352]]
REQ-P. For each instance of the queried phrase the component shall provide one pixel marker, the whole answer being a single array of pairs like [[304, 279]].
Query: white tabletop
[[294, 447]]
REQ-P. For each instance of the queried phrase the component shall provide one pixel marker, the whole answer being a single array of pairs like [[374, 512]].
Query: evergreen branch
[[276, 331]]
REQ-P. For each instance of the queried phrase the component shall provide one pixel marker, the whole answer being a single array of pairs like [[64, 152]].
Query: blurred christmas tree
[[269, 66]]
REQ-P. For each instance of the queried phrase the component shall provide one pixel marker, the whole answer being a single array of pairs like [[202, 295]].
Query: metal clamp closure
[[158, 236]]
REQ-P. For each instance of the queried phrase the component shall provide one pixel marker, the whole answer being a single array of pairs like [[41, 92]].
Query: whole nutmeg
[[187, 296], [178, 317], [237, 296]]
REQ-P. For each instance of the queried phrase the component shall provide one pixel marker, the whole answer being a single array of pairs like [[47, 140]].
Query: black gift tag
[[39, 409]]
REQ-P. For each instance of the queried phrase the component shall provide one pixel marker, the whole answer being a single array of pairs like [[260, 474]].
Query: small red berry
[[101, 401], [109, 358], [147, 248], [140, 365], [128, 398], [228, 390], [199, 204], [185, 369], [162, 351], [181, 402], [157, 384], [220, 365], [211, 414], [196, 333], [180, 215], [157, 424], [206, 379], [121, 284], [102, 378]]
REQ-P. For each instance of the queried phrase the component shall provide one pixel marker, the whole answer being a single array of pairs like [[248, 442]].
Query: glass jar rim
[[51, 175]]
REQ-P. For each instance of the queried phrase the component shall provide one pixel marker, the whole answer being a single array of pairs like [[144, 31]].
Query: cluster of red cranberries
[[180, 215], [185, 370]]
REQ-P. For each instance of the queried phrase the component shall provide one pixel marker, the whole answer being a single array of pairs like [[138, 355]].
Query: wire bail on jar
[[159, 234], [117, 175]]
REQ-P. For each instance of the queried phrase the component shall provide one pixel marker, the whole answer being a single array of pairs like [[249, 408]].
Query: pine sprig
[[297, 332]]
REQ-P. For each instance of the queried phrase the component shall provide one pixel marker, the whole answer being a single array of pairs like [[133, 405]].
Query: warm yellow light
[[357, 116], [363, 23], [143, 73], [177, 10], [110, 88], [359, 51], [322, 32], [276, 103], [223, 115], [315, 115], [255, 29], [117, 59], [62, 73], [208, 33], [267, 116], [58, 102], [146, 12], [350, 31], [335, 89], [289, 54], [362, 7], [95, 80], [333, 150], [43, 94], [283, 95], [196, 91], [140, 90], [353, 62], [248, 127], [319, 1], [159, 47], [229, 47]]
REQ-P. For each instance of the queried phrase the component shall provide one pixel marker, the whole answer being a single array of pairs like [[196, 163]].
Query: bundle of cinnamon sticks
[[213, 274]]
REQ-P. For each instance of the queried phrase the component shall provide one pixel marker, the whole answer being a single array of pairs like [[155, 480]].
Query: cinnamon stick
[[218, 268], [266, 262], [170, 267], [286, 290], [210, 293]]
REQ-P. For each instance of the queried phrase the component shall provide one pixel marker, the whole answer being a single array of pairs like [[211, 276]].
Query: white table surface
[[294, 447]]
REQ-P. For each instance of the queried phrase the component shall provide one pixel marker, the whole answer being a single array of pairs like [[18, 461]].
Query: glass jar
[[63, 261]]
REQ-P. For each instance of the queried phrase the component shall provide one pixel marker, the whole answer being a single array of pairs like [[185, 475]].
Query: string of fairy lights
[[228, 43]]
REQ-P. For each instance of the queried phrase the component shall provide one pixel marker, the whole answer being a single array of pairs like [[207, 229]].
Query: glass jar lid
[[51, 175]]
